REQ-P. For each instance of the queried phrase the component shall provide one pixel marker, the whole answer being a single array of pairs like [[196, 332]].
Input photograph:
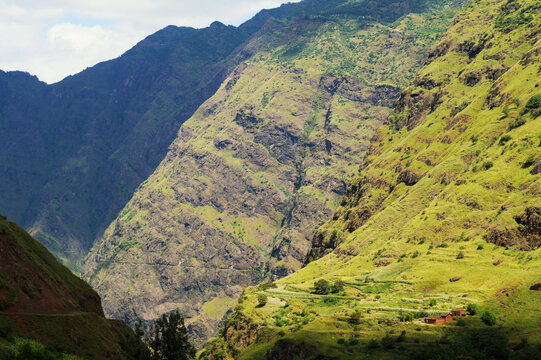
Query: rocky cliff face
[[261, 163], [41, 299]]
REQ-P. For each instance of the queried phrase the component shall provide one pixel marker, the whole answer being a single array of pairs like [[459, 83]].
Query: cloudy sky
[[56, 38]]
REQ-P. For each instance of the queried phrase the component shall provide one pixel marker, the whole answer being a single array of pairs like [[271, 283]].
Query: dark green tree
[[355, 317], [489, 318], [337, 287], [473, 309], [322, 287], [170, 341], [261, 300]]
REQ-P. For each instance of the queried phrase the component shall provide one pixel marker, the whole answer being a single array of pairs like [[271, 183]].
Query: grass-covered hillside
[[444, 214], [263, 162], [46, 312]]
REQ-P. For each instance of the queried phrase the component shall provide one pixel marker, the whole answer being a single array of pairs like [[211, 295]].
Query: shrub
[[337, 287], [387, 342], [480, 247], [529, 162], [473, 309], [504, 139], [281, 333], [505, 111], [407, 317], [432, 302], [266, 286], [261, 300], [487, 165], [373, 344], [489, 318], [341, 341], [516, 123], [534, 102], [355, 318], [321, 287], [461, 322], [354, 342], [401, 337], [460, 255]]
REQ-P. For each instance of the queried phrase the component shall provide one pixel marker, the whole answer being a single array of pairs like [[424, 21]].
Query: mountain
[[43, 304], [73, 152], [444, 214], [264, 161]]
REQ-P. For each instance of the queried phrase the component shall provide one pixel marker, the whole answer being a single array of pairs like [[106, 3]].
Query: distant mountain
[[264, 161], [444, 214], [40, 299], [74, 152]]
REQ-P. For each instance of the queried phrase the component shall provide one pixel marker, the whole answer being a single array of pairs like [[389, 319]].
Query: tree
[[355, 317], [261, 300], [473, 309], [170, 341], [338, 286], [489, 318], [321, 287]]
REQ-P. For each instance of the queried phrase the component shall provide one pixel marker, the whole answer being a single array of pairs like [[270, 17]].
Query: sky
[[56, 38]]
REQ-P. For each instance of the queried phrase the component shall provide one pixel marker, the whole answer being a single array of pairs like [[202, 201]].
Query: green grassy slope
[[41, 299], [445, 207], [262, 163]]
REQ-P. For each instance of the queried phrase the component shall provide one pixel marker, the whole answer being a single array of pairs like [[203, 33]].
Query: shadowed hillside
[[41, 299]]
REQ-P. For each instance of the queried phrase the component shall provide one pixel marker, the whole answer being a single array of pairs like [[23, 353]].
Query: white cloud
[[56, 38]]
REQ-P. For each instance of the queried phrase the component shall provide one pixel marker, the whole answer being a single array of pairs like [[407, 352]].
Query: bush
[[281, 333], [473, 309], [517, 123], [261, 300], [355, 318], [407, 317], [322, 287], [480, 247], [504, 139], [461, 322], [341, 341], [487, 165], [387, 342], [373, 344], [337, 287], [460, 255], [432, 302], [534, 102], [354, 342], [489, 318]]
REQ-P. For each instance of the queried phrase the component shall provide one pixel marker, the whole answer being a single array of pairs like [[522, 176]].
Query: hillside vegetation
[[74, 152], [444, 214], [264, 161], [46, 312]]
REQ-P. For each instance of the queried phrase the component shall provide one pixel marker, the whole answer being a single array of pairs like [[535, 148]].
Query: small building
[[458, 312], [439, 320], [434, 320], [447, 317]]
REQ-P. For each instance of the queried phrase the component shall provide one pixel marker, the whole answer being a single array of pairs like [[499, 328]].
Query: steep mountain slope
[[264, 161], [74, 152], [443, 214], [43, 300]]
